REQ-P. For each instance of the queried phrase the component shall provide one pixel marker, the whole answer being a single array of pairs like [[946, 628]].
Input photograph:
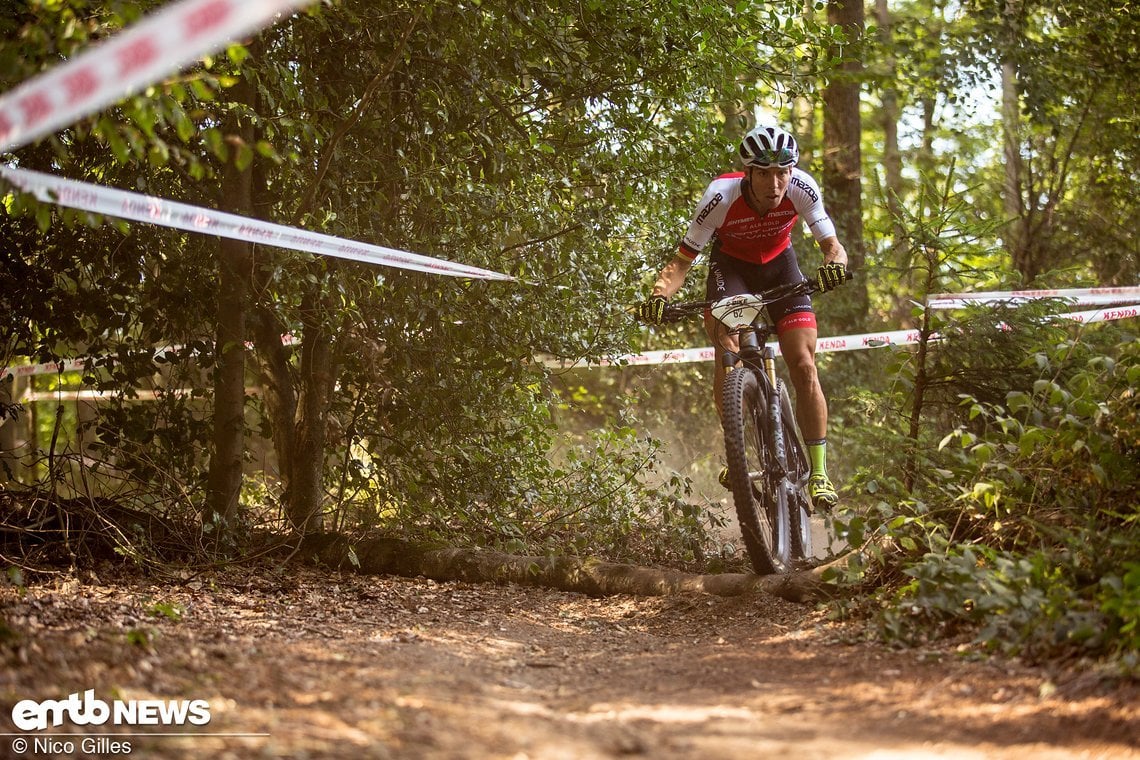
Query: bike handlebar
[[675, 312]]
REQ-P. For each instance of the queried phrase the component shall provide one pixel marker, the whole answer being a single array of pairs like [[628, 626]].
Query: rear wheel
[[750, 450]]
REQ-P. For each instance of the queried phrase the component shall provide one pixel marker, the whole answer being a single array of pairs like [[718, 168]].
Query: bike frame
[[747, 318]]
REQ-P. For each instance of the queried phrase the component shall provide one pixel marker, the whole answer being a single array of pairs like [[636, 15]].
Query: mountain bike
[[767, 465]]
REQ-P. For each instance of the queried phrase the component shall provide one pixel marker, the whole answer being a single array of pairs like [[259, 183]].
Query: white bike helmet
[[766, 147]]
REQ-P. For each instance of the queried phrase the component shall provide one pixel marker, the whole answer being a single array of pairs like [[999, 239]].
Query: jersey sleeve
[[808, 200], [706, 219]]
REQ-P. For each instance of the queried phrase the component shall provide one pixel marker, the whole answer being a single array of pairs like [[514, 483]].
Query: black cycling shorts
[[729, 276]]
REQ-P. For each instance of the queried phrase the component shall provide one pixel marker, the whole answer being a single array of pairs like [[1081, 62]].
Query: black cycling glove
[[652, 310], [830, 276]]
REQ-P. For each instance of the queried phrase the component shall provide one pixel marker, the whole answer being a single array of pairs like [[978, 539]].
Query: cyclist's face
[[769, 185]]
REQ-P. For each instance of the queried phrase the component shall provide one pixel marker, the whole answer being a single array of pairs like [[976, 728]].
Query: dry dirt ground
[[308, 664]]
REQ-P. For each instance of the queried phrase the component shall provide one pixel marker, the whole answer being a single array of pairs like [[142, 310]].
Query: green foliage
[[143, 638], [1013, 603], [1027, 535], [14, 576], [1119, 597], [590, 499], [1075, 68], [172, 611], [1072, 73], [1055, 444], [601, 496]]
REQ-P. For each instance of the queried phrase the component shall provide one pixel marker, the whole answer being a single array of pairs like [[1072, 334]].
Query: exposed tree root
[[42, 531], [587, 576]]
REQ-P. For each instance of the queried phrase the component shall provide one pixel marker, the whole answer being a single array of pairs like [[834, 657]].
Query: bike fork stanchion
[[770, 365]]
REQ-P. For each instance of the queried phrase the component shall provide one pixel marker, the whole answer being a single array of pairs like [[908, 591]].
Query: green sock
[[817, 455]]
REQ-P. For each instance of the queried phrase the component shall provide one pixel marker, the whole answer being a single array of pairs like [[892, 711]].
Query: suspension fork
[[752, 349], [756, 351], [779, 442], [769, 362]]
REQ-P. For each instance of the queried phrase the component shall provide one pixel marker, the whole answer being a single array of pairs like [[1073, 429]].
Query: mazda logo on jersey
[[716, 199], [798, 182]]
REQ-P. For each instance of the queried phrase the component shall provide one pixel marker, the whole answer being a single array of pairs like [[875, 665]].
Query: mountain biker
[[748, 217]]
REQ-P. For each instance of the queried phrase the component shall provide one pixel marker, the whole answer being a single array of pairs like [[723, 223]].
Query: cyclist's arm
[[672, 277], [808, 201], [709, 215], [833, 251]]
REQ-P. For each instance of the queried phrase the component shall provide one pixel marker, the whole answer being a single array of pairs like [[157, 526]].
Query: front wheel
[[750, 452]]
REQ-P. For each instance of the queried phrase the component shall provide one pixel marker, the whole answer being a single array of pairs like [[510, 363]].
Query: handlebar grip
[[814, 285]]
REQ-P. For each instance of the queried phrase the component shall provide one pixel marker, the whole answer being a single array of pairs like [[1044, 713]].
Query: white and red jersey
[[744, 234]]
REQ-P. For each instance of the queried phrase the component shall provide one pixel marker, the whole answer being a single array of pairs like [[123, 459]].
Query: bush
[[1024, 529]]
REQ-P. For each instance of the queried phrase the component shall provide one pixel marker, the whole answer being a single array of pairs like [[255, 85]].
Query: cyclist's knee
[[710, 328], [801, 367], [716, 332]]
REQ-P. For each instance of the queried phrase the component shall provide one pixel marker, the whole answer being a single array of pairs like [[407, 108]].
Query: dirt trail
[[312, 665]]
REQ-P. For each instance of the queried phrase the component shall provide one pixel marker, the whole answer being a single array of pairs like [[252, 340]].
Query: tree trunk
[[918, 399], [892, 166], [803, 126], [889, 120], [925, 160], [279, 396], [841, 163], [9, 420], [318, 373], [298, 402], [235, 261], [1016, 241], [585, 576]]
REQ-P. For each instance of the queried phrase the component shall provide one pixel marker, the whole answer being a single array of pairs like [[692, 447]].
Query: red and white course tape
[[1076, 296], [679, 356], [823, 345], [145, 208], [160, 44]]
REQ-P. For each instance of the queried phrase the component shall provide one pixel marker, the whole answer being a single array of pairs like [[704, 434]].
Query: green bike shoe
[[822, 493]]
